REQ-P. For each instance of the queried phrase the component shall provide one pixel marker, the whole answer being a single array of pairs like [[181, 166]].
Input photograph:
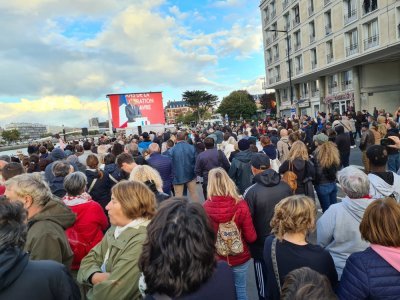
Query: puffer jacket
[[101, 190], [368, 276], [240, 170], [324, 175], [221, 209]]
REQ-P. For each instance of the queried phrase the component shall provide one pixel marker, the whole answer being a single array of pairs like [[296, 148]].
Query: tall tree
[[199, 101], [237, 104], [10, 135]]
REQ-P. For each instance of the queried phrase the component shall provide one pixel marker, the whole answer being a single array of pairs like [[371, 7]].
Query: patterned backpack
[[229, 240]]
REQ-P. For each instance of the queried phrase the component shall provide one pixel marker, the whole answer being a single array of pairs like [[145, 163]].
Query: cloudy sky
[[58, 59]]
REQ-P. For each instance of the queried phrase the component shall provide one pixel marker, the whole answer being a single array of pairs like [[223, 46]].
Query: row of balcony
[[305, 95], [345, 86]]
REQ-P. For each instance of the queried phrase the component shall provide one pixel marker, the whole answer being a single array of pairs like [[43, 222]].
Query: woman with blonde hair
[[299, 163], [326, 162], [229, 146], [111, 268], [287, 249], [151, 178], [224, 205]]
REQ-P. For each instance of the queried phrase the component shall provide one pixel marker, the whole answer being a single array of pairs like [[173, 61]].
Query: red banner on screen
[[146, 108]]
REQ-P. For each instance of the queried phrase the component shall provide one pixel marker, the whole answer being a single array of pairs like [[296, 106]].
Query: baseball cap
[[260, 161]]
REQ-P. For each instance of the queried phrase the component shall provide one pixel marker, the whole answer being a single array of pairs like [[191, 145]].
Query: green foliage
[[200, 101], [238, 103], [10, 135], [186, 118]]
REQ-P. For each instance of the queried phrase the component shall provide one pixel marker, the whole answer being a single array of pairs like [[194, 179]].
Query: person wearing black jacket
[[393, 154], [343, 143], [261, 197]]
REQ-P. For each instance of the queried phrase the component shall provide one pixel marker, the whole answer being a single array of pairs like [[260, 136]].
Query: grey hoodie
[[338, 230], [379, 188]]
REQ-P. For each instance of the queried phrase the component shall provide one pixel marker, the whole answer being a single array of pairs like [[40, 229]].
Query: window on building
[[290, 45], [296, 13], [273, 9], [266, 14], [313, 53], [271, 76], [312, 31], [350, 11], [286, 21], [276, 52], [284, 94], [274, 33], [277, 73], [310, 7], [269, 56], [328, 22], [347, 83], [314, 87], [332, 84], [289, 68], [369, 6], [299, 64], [304, 90], [351, 42], [329, 52], [297, 40], [371, 35]]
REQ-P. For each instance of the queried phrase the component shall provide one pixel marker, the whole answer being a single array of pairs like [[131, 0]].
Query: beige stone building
[[174, 109], [343, 54]]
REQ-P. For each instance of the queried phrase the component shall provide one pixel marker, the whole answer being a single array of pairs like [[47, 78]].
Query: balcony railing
[[296, 21], [277, 78], [312, 38], [347, 85], [326, 2], [313, 64], [314, 93], [369, 6], [276, 57], [352, 49], [285, 3], [332, 88], [328, 29], [297, 46], [310, 10], [371, 42], [299, 71], [350, 16], [329, 58]]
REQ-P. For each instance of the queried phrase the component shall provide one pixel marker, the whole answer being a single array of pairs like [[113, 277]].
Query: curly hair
[[179, 252], [293, 214], [145, 173]]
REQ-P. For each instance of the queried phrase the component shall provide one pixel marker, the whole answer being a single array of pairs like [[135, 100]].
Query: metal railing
[[371, 42], [332, 88], [278, 78], [328, 29], [296, 21], [314, 93], [276, 57], [299, 71], [347, 85], [329, 58], [313, 64], [352, 49], [312, 39], [350, 16], [297, 46]]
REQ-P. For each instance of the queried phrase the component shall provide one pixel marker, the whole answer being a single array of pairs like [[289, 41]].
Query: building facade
[[94, 122], [28, 130], [339, 55], [175, 109]]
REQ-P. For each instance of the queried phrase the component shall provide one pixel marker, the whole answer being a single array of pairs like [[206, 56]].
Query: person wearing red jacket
[[91, 220], [223, 205]]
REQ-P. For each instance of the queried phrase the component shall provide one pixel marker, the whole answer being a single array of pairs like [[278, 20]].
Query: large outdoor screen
[[136, 109]]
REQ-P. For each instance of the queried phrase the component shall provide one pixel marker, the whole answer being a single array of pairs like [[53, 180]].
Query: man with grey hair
[[283, 145], [48, 218], [163, 164], [22, 278], [338, 228]]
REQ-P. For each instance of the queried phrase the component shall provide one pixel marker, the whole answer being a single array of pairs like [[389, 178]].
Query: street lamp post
[[290, 67]]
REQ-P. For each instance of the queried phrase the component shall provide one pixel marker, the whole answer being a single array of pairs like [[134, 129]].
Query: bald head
[[154, 148], [283, 133]]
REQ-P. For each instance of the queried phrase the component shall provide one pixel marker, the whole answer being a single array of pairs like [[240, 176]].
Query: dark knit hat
[[57, 154], [243, 144]]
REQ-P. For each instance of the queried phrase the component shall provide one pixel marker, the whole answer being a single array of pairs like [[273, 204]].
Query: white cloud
[[227, 3], [174, 10]]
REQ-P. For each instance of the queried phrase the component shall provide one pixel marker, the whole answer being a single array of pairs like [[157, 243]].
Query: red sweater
[[221, 209], [87, 231]]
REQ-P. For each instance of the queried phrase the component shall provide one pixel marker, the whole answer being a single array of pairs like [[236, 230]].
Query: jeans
[[393, 163], [327, 193], [240, 277]]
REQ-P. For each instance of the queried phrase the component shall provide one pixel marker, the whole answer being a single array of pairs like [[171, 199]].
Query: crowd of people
[[124, 218]]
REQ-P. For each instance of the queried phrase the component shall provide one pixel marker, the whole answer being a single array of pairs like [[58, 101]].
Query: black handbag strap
[[275, 263]]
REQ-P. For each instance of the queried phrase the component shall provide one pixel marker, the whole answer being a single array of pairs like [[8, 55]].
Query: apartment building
[[28, 130], [337, 54], [174, 109]]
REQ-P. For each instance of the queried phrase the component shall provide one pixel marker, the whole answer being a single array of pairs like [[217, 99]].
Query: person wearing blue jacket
[[375, 272]]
